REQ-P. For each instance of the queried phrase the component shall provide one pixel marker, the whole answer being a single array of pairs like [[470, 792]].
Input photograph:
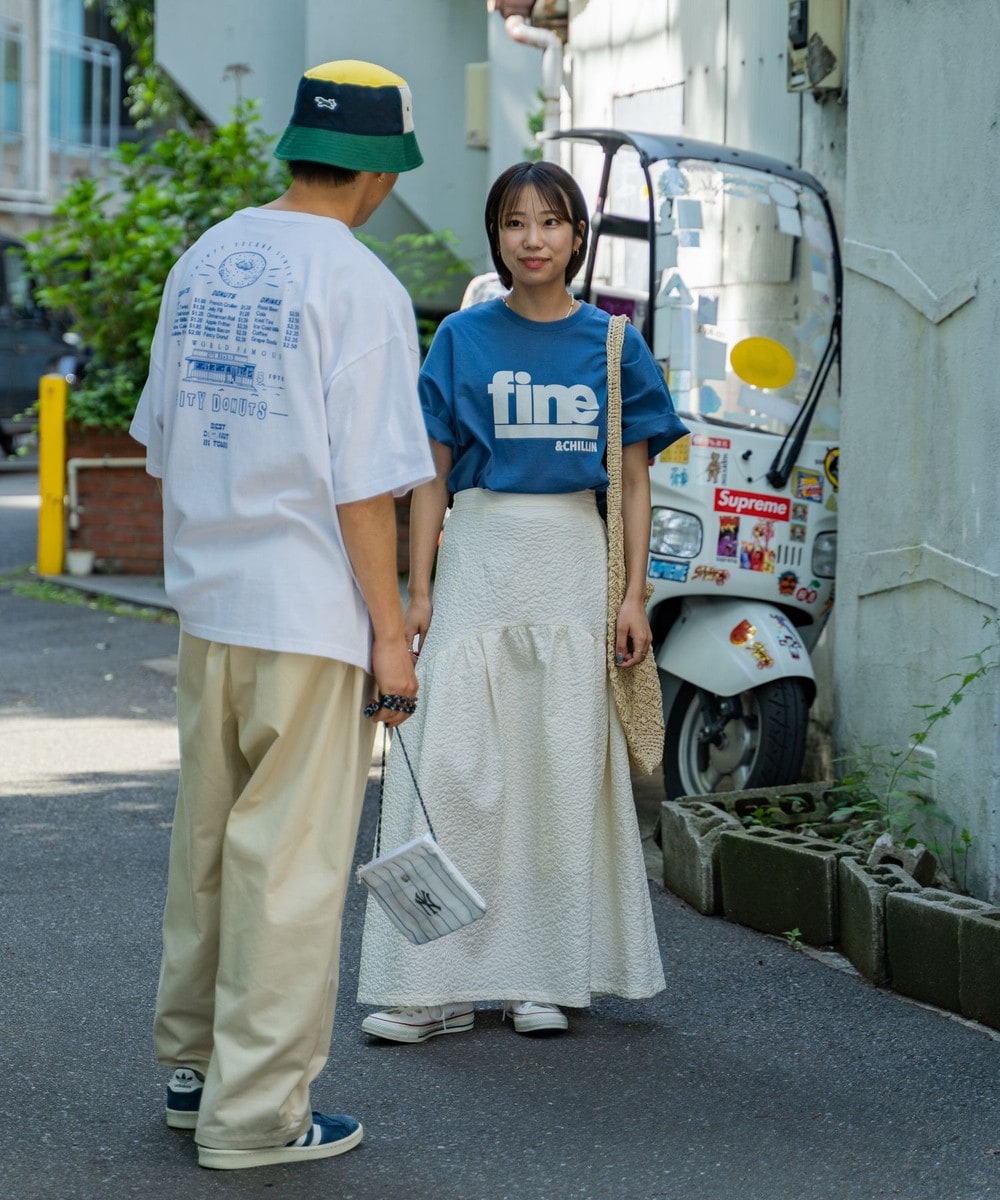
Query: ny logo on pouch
[[426, 901]]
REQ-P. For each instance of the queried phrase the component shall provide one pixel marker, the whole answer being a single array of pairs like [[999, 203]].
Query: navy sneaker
[[326, 1137], [184, 1098]]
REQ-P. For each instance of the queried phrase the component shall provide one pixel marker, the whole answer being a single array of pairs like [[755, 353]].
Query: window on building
[[11, 79], [85, 93]]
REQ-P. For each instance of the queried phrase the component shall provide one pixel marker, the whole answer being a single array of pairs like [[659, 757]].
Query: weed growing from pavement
[[37, 589], [887, 791]]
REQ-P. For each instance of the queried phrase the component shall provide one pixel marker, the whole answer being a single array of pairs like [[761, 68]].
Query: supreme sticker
[[749, 504]]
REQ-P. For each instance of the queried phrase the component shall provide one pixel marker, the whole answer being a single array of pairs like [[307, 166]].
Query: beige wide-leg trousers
[[274, 757]]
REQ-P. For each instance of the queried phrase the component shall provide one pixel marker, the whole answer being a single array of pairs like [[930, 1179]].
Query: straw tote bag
[[418, 887], [636, 690]]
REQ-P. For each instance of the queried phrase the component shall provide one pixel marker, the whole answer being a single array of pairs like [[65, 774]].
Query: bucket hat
[[355, 115]]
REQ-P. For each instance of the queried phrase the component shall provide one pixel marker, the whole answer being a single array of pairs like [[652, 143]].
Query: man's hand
[[394, 676]]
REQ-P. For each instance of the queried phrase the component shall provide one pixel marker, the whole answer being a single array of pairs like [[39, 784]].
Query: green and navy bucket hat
[[352, 114]]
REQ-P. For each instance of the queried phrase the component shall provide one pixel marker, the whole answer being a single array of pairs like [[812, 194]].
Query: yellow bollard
[[52, 393]]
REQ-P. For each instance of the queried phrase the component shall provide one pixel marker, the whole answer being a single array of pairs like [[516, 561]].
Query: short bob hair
[[557, 189]]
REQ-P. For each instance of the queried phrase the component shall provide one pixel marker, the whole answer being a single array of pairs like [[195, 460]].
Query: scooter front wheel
[[729, 743]]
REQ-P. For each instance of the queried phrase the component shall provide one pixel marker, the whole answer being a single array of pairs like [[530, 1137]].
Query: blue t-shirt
[[523, 404]]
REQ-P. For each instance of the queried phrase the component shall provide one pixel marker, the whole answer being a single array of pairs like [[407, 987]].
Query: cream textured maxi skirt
[[522, 763]]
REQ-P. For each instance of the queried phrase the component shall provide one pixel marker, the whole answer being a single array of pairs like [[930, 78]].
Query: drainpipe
[[76, 465], [552, 73]]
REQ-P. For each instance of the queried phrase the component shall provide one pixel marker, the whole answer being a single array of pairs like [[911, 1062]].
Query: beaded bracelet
[[394, 703]]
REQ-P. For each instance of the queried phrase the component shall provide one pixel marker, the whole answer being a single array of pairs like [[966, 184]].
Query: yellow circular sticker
[[763, 362]]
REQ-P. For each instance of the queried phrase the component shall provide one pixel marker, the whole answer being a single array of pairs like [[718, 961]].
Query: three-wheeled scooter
[[728, 262]]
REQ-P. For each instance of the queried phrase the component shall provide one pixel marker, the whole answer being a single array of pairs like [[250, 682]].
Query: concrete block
[[917, 860], [690, 831], [862, 893], [923, 943], [979, 966], [794, 802], [774, 880]]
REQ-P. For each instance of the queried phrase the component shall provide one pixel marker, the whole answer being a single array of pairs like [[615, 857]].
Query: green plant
[[780, 815], [536, 123], [887, 791], [794, 938], [104, 259], [102, 262], [425, 263], [152, 96], [55, 593]]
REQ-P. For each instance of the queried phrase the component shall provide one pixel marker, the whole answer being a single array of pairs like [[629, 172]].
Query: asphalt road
[[760, 1074], [18, 512]]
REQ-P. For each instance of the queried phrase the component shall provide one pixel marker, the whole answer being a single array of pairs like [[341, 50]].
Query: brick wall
[[120, 512], [119, 507]]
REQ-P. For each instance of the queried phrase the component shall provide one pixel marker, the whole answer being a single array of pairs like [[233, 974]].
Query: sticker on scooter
[[752, 504], [757, 554], [831, 467], [742, 633], [716, 575], [715, 471], [759, 651], [787, 638], [807, 485], [678, 452], [672, 571], [728, 545]]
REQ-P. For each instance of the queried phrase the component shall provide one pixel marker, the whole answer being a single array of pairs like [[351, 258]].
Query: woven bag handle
[[616, 533]]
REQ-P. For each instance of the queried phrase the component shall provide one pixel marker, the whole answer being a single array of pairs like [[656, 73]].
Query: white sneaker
[[531, 1017], [418, 1024]]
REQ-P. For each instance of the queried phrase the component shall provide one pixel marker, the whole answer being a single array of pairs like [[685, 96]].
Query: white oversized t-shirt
[[283, 382]]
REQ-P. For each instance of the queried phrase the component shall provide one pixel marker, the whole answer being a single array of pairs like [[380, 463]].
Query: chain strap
[[381, 790]]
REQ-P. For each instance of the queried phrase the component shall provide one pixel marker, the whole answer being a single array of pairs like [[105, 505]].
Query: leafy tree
[[103, 262], [151, 97]]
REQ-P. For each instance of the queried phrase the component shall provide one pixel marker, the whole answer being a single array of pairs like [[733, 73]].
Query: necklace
[[572, 305]]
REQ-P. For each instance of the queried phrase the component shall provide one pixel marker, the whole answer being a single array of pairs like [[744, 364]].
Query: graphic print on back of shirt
[[232, 337]]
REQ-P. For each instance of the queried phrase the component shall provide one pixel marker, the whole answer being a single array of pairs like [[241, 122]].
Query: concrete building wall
[[919, 541], [198, 44], [428, 44]]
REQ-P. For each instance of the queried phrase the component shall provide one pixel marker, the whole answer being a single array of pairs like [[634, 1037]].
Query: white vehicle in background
[[728, 262]]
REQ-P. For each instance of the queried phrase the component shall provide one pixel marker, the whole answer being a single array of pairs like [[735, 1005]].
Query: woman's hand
[[633, 636], [417, 620]]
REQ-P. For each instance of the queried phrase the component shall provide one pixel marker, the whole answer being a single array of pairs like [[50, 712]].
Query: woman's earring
[[381, 178]]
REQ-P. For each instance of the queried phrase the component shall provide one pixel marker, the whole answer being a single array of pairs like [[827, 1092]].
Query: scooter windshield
[[741, 272]]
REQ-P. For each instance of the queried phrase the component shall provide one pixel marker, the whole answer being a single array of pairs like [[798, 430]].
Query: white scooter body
[[730, 646]]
